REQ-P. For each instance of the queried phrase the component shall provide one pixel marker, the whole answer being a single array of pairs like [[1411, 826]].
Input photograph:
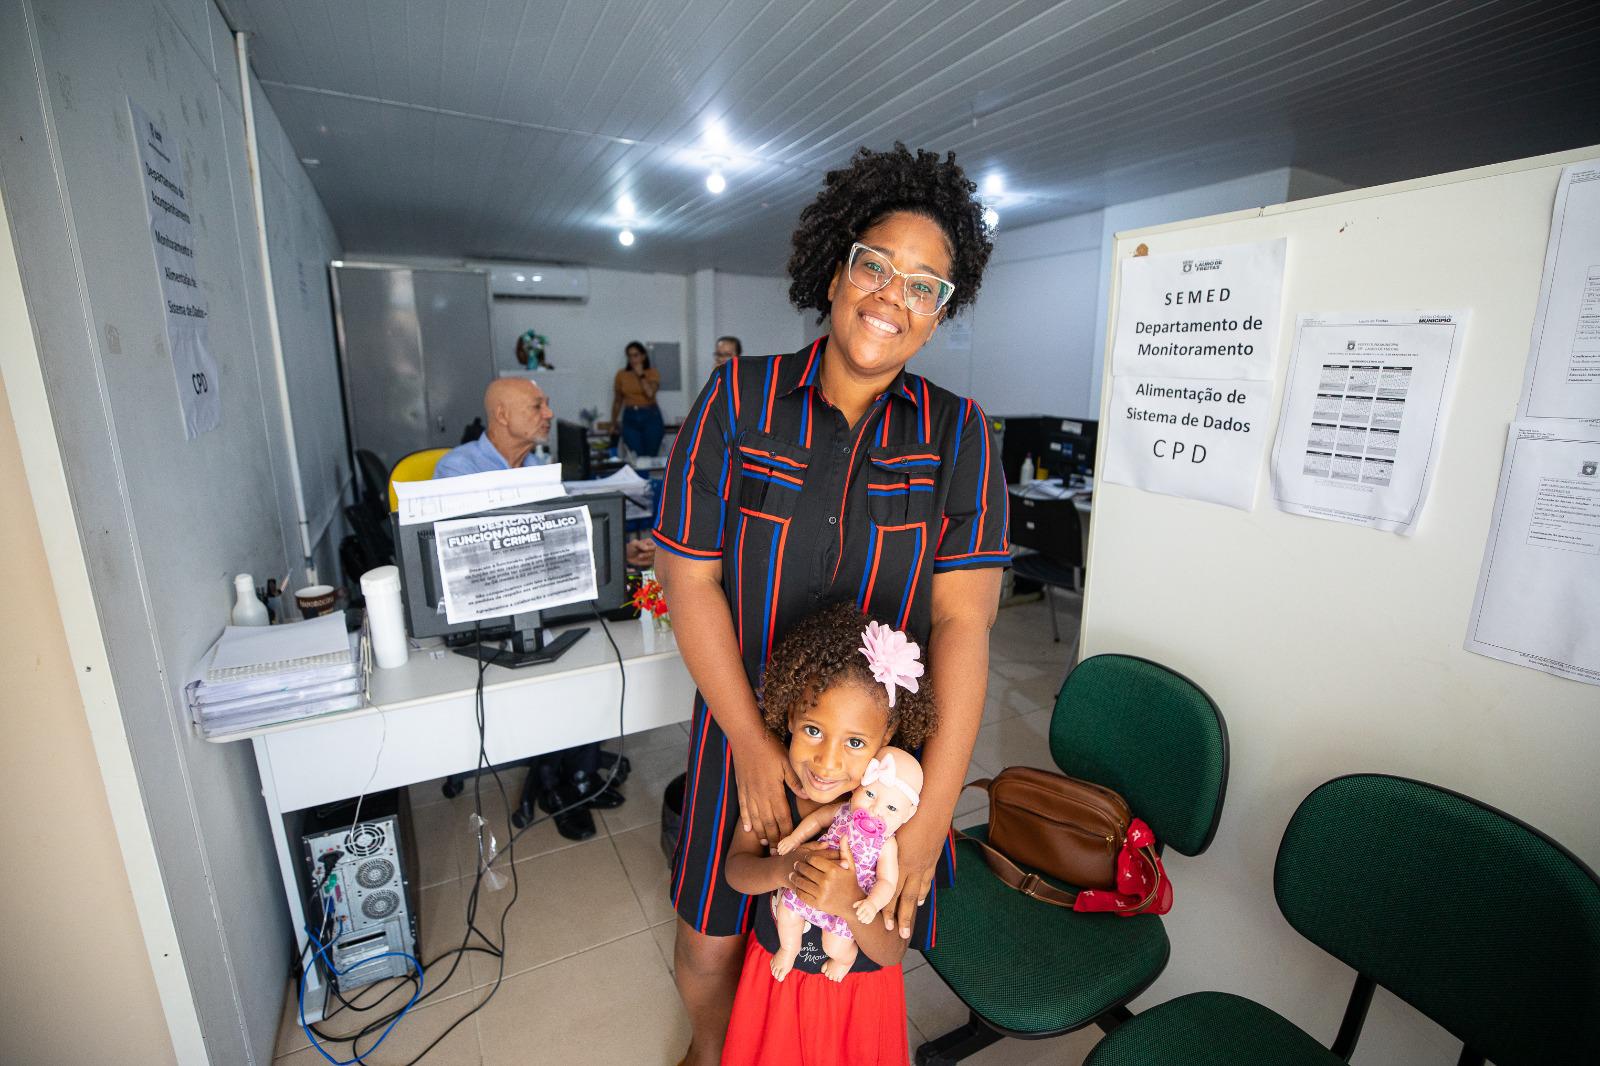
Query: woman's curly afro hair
[[824, 650], [874, 186]]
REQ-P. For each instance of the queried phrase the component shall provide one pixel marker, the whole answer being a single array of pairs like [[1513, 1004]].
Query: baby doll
[[863, 829]]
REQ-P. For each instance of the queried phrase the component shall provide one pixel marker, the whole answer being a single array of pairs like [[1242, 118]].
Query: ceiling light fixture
[[625, 238], [993, 185], [625, 206], [715, 182], [991, 219]]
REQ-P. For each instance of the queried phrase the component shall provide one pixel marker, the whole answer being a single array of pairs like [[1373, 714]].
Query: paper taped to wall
[[1539, 586], [1188, 437], [1202, 313], [1563, 375], [183, 302], [1363, 416]]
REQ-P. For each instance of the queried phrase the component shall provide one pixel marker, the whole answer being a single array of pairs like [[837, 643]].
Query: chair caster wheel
[[452, 787]]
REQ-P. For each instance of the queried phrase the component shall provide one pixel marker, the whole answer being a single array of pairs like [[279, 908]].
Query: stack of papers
[[638, 503], [258, 676]]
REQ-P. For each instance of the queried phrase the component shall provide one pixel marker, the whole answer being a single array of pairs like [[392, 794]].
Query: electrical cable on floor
[[387, 1021]]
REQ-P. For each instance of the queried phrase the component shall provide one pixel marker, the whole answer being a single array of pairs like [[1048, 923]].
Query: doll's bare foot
[[782, 963], [835, 969]]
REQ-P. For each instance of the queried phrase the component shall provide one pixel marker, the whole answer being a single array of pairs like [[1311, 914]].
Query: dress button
[[832, 521]]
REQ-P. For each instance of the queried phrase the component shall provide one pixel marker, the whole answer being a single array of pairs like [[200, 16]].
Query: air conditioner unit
[[534, 281]]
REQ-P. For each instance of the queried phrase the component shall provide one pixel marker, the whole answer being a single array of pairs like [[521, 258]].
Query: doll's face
[[888, 801], [831, 744]]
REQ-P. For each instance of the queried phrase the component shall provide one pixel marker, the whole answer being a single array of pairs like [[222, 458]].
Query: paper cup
[[315, 599]]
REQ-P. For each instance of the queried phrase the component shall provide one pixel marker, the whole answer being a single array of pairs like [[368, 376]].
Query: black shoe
[[575, 824], [619, 766], [594, 789]]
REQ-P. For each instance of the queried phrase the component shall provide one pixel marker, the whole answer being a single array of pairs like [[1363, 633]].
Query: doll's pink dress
[[866, 835]]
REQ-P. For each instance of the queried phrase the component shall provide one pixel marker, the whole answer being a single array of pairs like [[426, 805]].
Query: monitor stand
[[524, 648]]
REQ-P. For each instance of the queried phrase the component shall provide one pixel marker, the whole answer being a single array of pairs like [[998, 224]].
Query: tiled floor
[[589, 942]]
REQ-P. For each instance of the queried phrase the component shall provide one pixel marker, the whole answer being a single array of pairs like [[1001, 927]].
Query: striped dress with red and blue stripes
[[803, 510]]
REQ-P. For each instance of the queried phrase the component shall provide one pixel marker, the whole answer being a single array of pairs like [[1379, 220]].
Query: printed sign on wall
[[183, 304], [1192, 370], [1207, 313]]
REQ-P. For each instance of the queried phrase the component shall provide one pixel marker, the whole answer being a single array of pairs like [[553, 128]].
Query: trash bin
[[672, 814]]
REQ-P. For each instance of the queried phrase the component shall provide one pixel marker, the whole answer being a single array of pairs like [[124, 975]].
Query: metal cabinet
[[416, 352]]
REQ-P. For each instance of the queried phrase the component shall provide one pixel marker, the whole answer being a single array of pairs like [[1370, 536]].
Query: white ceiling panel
[[511, 128]]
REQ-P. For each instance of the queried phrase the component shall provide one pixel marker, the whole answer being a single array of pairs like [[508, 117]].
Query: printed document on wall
[[1364, 415], [1202, 440], [1207, 313], [1563, 376], [1538, 601], [183, 301]]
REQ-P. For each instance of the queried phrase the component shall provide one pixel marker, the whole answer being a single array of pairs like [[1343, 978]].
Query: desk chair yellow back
[[418, 466]]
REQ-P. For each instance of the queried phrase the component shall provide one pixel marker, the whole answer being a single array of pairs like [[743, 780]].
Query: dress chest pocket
[[901, 485], [771, 474]]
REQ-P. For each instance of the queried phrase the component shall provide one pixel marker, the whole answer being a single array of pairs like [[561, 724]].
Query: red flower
[[650, 597]]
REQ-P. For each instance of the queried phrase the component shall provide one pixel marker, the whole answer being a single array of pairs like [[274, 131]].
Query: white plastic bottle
[[1027, 468], [248, 610], [381, 589]]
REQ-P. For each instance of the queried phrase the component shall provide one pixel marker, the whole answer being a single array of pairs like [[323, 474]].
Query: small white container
[[385, 620], [248, 610]]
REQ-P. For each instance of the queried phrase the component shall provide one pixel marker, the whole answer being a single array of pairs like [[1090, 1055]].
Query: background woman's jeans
[[642, 429]]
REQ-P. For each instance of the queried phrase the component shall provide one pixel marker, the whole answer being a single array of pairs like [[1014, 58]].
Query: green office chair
[[1482, 923], [1025, 969]]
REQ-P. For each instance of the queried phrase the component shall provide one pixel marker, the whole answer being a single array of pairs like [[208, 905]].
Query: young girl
[[837, 697], [862, 831]]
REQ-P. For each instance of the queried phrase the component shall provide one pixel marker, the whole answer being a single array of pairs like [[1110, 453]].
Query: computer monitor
[[522, 635], [1062, 446], [1069, 447], [572, 449]]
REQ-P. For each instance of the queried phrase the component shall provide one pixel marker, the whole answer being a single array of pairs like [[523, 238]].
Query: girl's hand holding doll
[[828, 884]]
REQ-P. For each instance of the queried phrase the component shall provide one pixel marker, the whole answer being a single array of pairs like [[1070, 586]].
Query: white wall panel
[[1332, 648], [164, 522]]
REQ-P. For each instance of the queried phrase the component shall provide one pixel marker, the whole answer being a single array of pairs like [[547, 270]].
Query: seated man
[[517, 420]]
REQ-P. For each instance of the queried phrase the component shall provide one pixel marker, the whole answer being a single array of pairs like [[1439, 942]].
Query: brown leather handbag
[[1069, 829]]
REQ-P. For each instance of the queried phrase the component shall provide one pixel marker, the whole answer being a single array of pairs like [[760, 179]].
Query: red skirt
[[808, 1020]]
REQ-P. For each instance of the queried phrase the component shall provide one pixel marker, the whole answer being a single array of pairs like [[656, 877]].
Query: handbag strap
[[1028, 883]]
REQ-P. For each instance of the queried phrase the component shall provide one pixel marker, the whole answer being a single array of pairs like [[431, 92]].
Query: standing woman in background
[[635, 400], [832, 474]]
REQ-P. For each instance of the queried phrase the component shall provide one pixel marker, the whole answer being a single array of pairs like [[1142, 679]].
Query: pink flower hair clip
[[892, 658]]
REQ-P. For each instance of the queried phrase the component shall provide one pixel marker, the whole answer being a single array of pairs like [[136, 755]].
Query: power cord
[[386, 1022], [322, 952]]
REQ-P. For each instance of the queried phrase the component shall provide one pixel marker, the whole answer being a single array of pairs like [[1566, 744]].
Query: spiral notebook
[[315, 647]]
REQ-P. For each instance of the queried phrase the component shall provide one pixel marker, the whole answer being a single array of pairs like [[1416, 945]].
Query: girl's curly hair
[[824, 650], [874, 186]]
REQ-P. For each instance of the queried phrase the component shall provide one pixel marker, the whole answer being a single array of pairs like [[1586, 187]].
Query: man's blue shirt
[[478, 457]]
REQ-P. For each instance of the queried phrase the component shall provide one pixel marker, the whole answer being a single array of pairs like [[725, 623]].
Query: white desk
[[421, 724]]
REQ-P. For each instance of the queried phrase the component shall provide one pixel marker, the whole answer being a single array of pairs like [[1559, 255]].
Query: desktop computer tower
[[363, 886]]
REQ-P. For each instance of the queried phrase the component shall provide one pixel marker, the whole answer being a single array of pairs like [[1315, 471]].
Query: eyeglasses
[[870, 271]]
